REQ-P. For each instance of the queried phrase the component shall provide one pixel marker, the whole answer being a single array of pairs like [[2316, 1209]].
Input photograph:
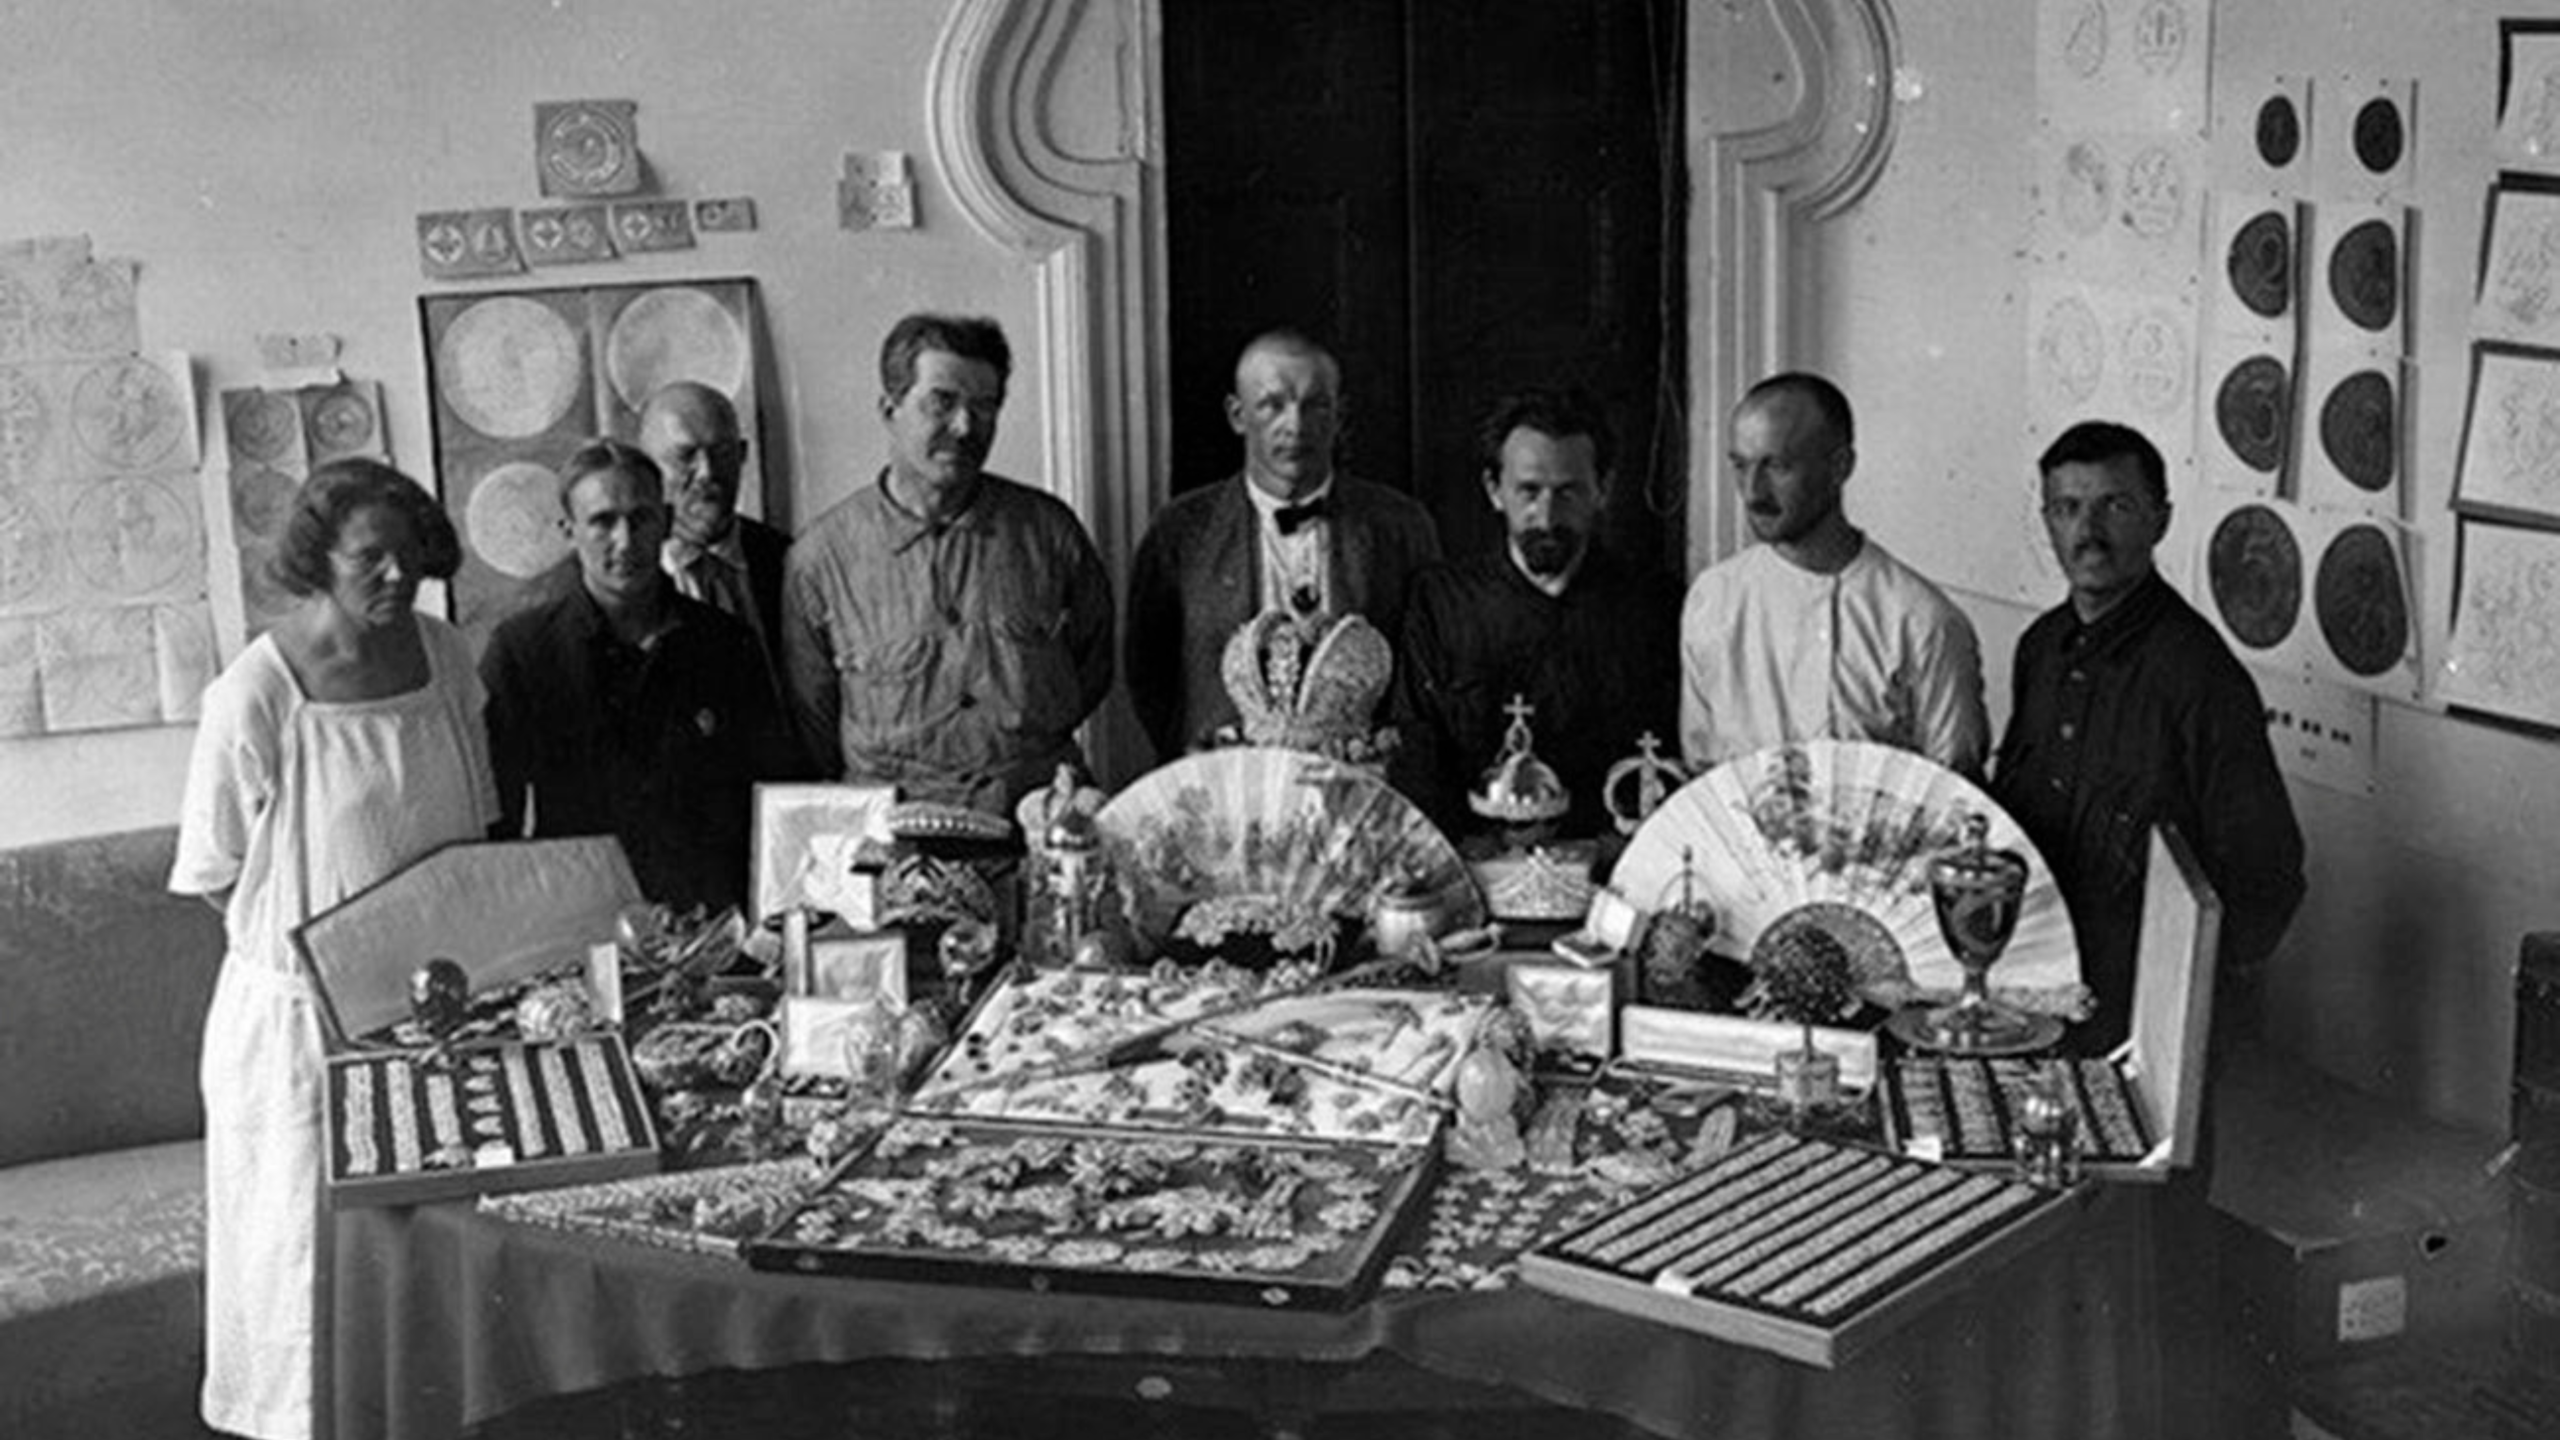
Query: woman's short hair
[[335, 492]]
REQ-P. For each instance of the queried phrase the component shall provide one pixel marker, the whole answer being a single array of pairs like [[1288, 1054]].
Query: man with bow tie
[[714, 554], [1291, 532]]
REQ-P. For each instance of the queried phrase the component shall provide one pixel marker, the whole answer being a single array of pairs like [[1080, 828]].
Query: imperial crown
[[1310, 683]]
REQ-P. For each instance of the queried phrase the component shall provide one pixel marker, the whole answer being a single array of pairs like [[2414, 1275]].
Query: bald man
[[1289, 532], [713, 553]]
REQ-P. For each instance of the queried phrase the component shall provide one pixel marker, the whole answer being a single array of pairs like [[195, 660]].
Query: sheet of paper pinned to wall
[[2529, 97], [102, 556], [2504, 653], [2139, 63], [273, 438]]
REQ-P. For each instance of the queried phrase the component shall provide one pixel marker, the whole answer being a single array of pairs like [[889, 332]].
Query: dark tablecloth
[[444, 1317]]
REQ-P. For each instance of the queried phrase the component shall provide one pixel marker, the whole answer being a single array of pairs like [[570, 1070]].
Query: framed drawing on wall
[[518, 380]]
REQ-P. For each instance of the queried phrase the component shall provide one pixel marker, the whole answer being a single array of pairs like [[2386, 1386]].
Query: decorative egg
[[555, 1010]]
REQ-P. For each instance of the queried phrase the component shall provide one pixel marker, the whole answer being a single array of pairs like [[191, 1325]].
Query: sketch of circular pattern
[[2261, 263], [513, 520], [98, 667], [260, 499], [24, 423], [586, 149], [342, 424], [2160, 36], [128, 415], [510, 367], [2085, 191], [131, 535], [2380, 138], [2084, 45], [26, 549], [94, 308], [2250, 408], [2279, 131], [2255, 569], [262, 424], [2153, 357], [2359, 429], [678, 333], [2155, 193], [2364, 275], [17, 319], [2073, 348], [261, 593], [2363, 611]]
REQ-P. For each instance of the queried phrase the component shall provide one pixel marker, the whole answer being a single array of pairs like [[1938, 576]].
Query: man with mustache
[[946, 629], [1290, 533], [2129, 712], [1586, 636], [1816, 631], [620, 707]]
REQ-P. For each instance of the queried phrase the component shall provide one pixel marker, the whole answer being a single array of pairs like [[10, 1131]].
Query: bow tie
[[1293, 518]]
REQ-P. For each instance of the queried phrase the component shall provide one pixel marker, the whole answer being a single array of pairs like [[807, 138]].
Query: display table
[[445, 1317]]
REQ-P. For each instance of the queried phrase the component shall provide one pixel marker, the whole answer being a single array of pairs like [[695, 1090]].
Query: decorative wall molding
[[1764, 176], [1091, 229]]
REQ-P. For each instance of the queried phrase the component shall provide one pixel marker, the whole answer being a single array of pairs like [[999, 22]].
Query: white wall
[[265, 161], [2397, 976]]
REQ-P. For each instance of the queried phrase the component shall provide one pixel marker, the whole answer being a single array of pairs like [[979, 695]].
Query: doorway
[[1460, 198]]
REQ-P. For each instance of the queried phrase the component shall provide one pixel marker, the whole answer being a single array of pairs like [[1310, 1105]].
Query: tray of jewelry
[[1265, 1056], [1964, 1110], [407, 1127], [1263, 1221], [1801, 1247]]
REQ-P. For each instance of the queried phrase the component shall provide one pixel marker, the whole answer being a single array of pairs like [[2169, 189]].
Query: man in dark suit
[[713, 553], [1290, 533]]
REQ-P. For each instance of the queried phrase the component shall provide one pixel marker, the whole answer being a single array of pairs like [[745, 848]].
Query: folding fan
[[1313, 838], [1838, 834]]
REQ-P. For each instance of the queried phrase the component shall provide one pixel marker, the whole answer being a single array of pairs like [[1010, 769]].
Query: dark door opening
[[1461, 198]]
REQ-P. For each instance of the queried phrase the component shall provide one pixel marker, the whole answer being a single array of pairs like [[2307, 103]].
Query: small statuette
[[440, 997], [2048, 1138]]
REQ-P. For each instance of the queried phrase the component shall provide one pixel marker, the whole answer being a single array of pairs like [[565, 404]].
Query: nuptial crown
[[1636, 786], [1520, 789], [1309, 683]]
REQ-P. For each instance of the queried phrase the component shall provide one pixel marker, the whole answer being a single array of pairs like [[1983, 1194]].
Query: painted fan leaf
[[1840, 833], [1317, 836]]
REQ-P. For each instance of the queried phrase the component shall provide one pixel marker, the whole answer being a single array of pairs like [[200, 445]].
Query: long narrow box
[[1800, 1247], [2137, 1109], [492, 1112]]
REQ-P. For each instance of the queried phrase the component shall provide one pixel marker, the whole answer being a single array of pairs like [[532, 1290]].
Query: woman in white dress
[[341, 745]]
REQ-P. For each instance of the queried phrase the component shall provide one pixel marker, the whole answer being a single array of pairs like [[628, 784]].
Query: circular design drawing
[[2359, 429], [2155, 193], [261, 593], [25, 554], [99, 668], [678, 333], [127, 414], [510, 367], [2084, 45], [513, 520], [2380, 139], [2279, 131], [2249, 411], [2085, 191], [2160, 36], [17, 319], [130, 535], [2153, 354], [2364, 275], [2255, 569], [24, 423], [341, 424], [2072, 348], [260, 499], [586, 149], [2363, 610], [262, 424], [95, 308], [2261, 263]]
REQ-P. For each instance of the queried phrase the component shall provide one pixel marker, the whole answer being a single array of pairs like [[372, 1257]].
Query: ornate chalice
[[1977, 892]]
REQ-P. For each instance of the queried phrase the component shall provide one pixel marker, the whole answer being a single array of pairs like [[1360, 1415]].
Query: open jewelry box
[[2137, 1109], [490, 1110], [1269, 1158]]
